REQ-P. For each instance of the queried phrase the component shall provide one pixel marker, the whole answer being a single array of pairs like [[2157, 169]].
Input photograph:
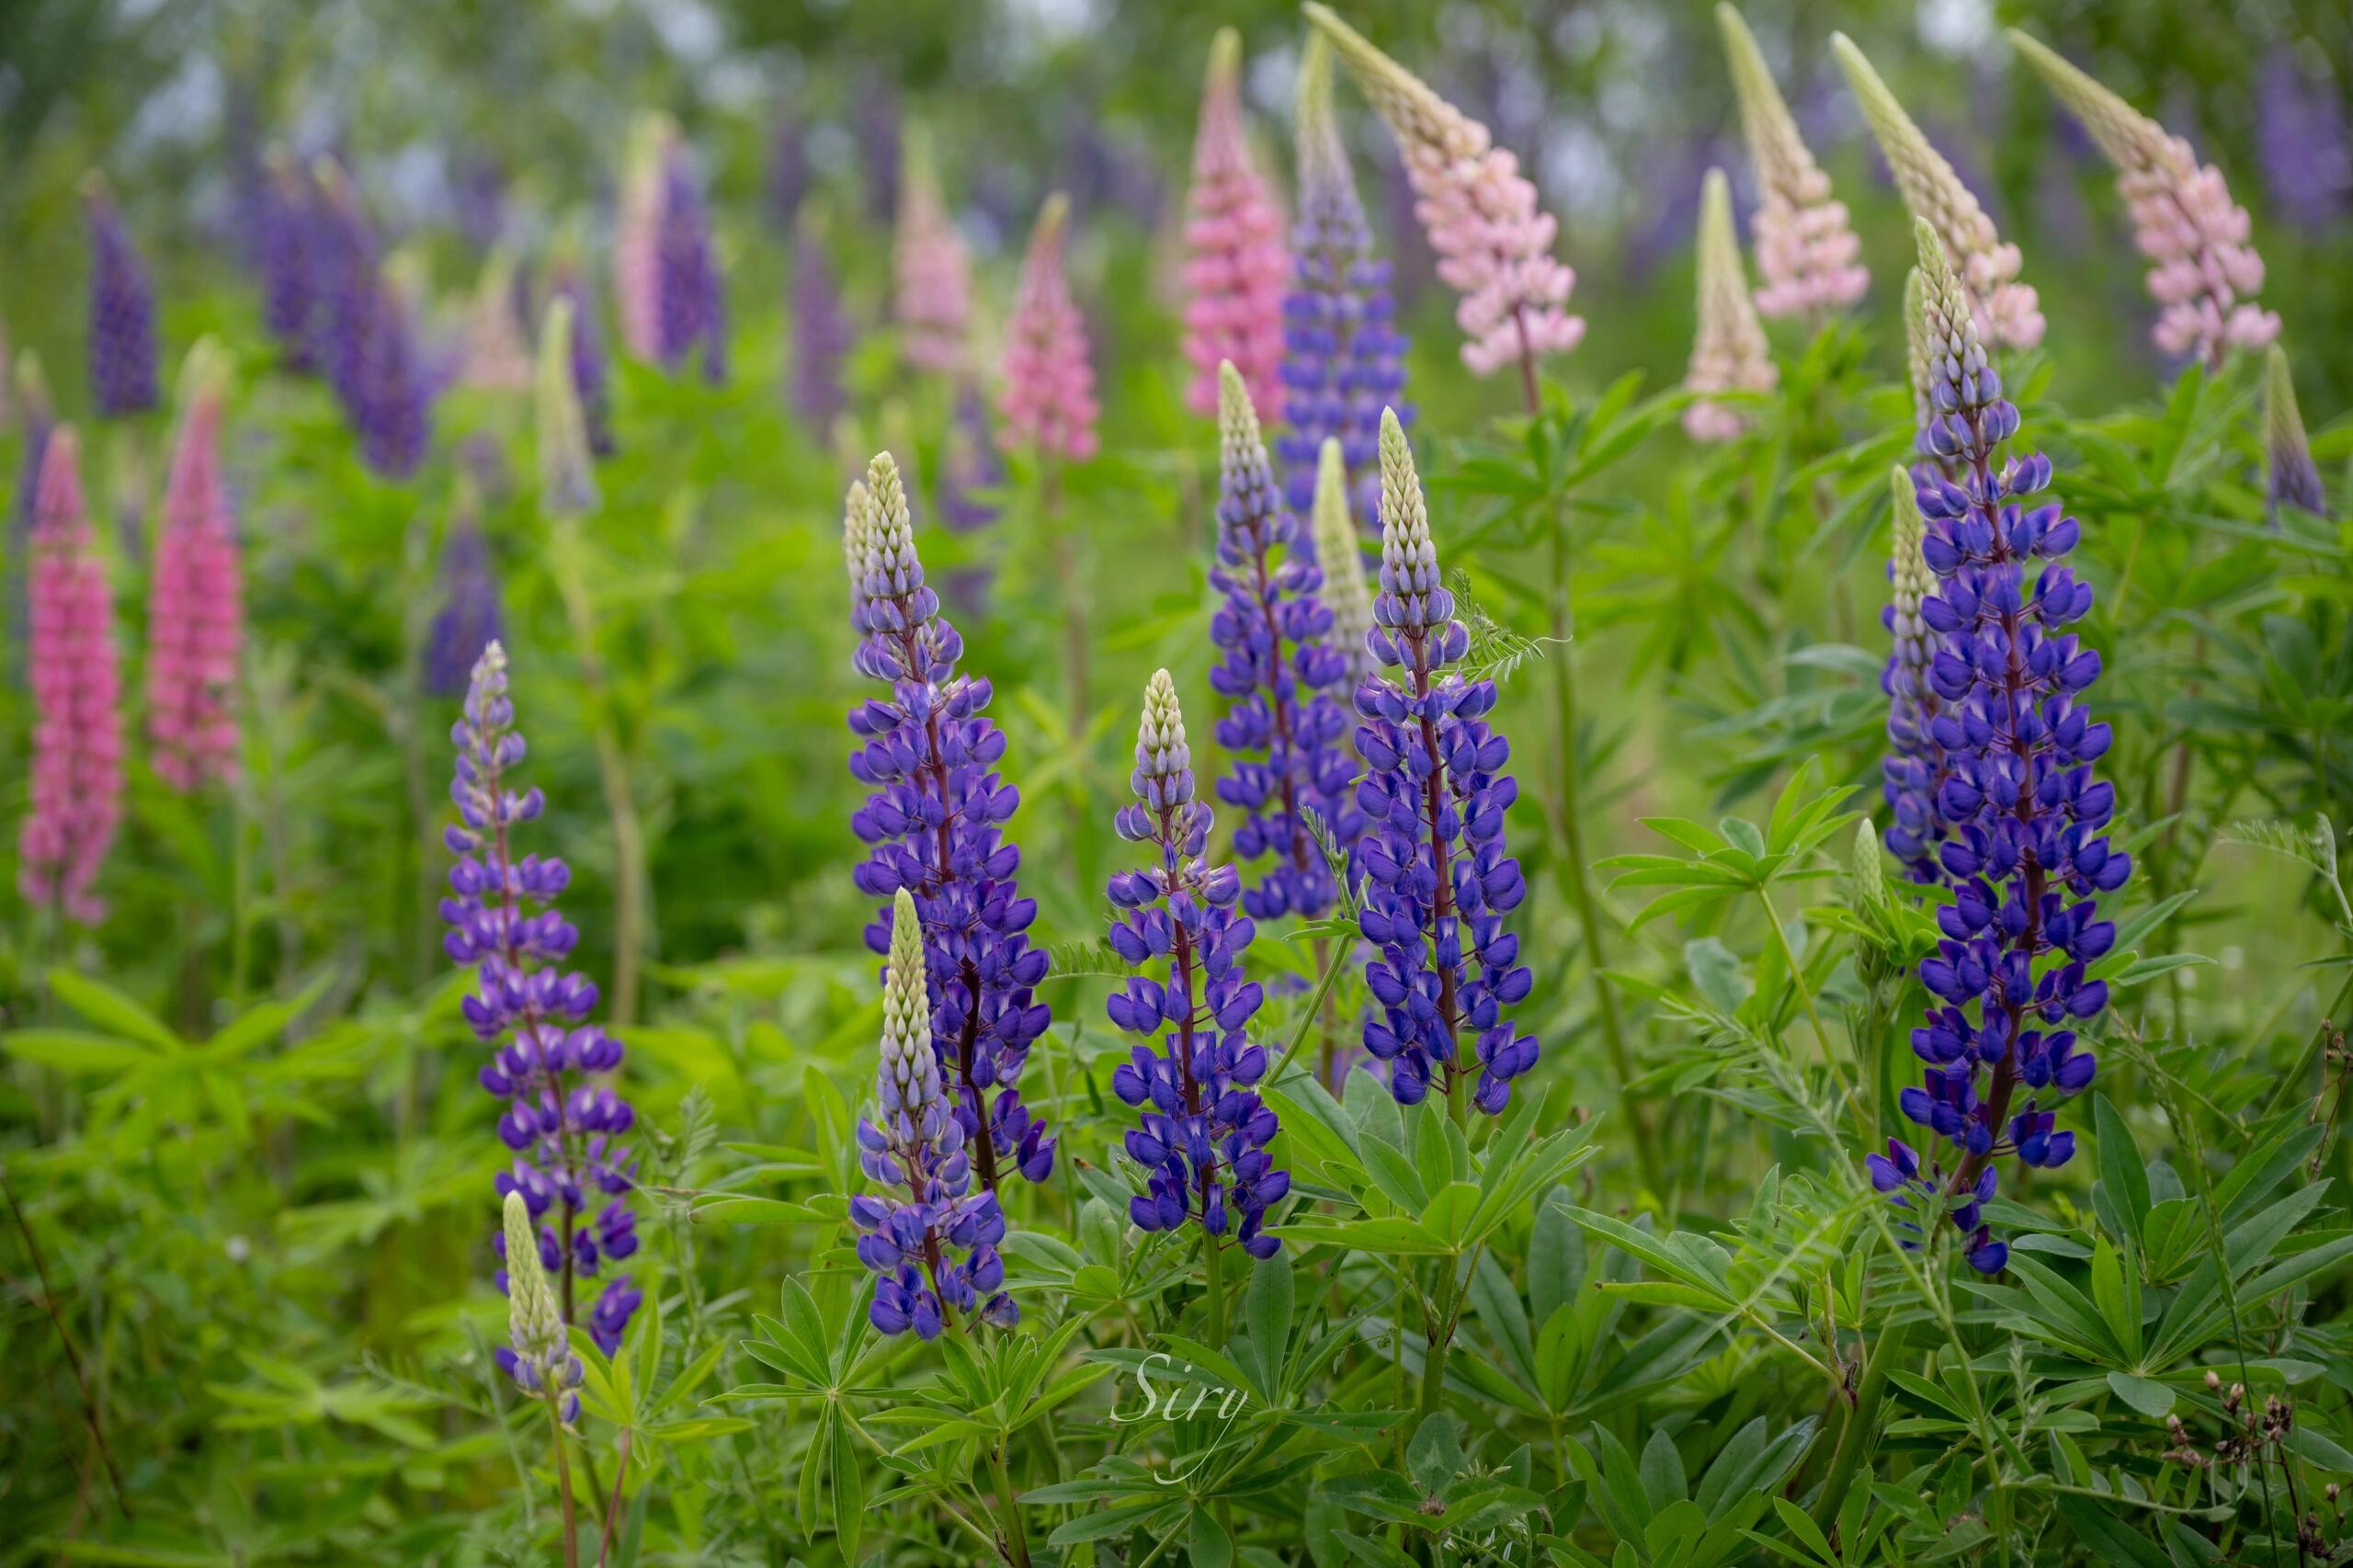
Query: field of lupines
[[1723, 944]]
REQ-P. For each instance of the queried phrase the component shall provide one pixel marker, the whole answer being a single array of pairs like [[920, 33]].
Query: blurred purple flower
[[2300, 138], [122, 311], [823, 335]]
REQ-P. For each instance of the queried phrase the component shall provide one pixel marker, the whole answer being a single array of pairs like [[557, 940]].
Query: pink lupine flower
[[1048, 401], [195, 618], [1495, 248], [1235, 267], [2006, 312], [1807, 252], [934, 295], [1731, 353], [497, 356], [637, 241], [78, 728], [2183, 219]]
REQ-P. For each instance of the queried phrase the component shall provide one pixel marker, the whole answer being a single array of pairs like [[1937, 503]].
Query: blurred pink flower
[[934, 296], [1048, 399], [77, 780], [637, 241], [195, 617], [1495, 248], [1236, 268]]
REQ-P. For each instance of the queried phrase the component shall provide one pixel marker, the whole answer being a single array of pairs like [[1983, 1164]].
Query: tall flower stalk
[[1283, 727], [195, 617], [1914, 772], [933, 272], [1234, 266], [591, 374], [567, 492], [1440, 878], [935, 823], [76, 772], [822, 333], [1731, 353], [913, 1142], [1808, 255], [1344, 358], [665, 261], [497, 353], [1345, 593], [1204, 1129], [2027, 854], [1494, 245], [2203, 272], [2008, 314], [562, 1121]]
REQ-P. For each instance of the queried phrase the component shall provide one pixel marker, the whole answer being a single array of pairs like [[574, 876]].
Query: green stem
[[1213, 1263], [1861, 1434], [563, 1478], [629, 872], [1813, 1018], [1017, 1538], [1440, 1334]]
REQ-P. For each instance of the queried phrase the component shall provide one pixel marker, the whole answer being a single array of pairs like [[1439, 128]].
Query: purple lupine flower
[[1283, 731], [2302, 140], [122, 311], [1346, 360], [290, 276], [389, 398], [1205, 1131], [914, 1141], [971, 469], [563, 1124], [2027, 855], [2288, 452], [935, 824], [471, 618], [875, 113], [591, 372], [347, 263], [788, 173], [823, 335], [691, 298], [1440, 879], [1913, 771]]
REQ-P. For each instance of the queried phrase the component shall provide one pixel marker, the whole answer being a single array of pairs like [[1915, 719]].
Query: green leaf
[[1210, 1545], [111, 1009], [77, 1051], [1267, 1308], [2146, 1395]]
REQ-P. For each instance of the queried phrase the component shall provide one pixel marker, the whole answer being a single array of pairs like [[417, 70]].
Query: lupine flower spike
[[1346, 359], [567, 472], [1344, 594], [2026, 851], [1047, 400], [1439, 878], [2294, 477], [563, 1126], [1495, 248], [1235, 268], [471, 618], [1204, 1133], [935, 823], [2008, 314], [1808, 256], [1731, 353], [2203, 272], [537, 1354], [122, 311], [288, 262], [1284, 729], [666, 267], [76, 773], [195, 620], [591, 377], [933, 1251], [389, 399], [1913, 770], [822, 333], [934, 273], [497, 354], [637, 239]]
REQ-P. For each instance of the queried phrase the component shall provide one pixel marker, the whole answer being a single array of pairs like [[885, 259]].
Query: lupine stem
[[1861, 1433], [73, 1357], [629, 872], [1017, 1538], [563, 1478], [1213, 1267]]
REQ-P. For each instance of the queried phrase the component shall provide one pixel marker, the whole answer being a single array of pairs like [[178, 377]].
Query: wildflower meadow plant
[[933, 1251], [1914, 772], [470, 617], [935, 829], [591, 373], [563, 1123], [1283, 728], [497, 354], [194, 609], [932, 297], [1204, 1131], [390, 396], [2009, 314], [1047, 398], [1494, 245], [1235, 264], [75, 778], [123, 378], [2027, 853], [567, 468], [822, 333], [1439, 878], [1345, 360], [1808, 255], [2293, 478], [1731, 353], [2203, 272], [1344, 594]]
